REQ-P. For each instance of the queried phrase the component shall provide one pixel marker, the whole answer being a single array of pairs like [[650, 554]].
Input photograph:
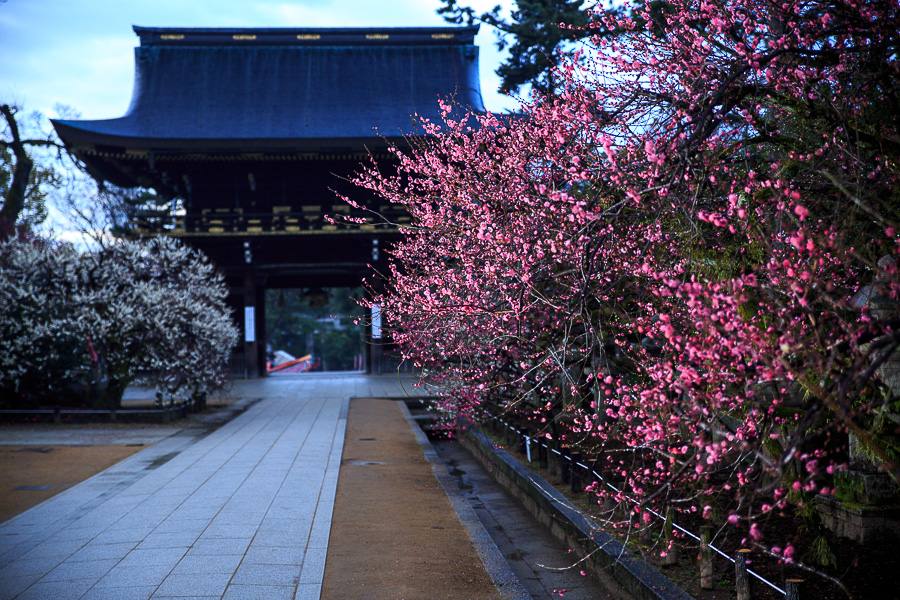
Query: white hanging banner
[[376, 322], [249, 324]]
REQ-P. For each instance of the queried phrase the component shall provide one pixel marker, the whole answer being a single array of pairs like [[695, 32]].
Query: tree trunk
[[14, 201], [111, 398]]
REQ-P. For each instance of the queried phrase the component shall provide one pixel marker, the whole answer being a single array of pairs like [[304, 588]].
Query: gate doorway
[[314, 329]]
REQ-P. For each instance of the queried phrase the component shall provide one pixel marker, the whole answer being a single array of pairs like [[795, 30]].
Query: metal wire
[[650, 510]]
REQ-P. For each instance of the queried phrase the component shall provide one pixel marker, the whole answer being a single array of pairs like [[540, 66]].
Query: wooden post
[[367, 348], [575, 475], [646, 533], [512, 439], [251, 349], [671, 557], [609, 505], [542, 455], [741, 576], [261, 370], [707, 581], [792, 587], [553, 460], [565, 467]]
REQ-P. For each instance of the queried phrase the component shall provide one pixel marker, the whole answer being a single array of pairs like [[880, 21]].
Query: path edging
[[618, 568]]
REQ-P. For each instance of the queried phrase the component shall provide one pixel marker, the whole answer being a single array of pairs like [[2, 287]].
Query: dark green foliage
[[538, 42], [125, 208]]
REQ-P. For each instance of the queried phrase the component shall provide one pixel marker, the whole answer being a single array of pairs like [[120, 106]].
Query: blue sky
[[80, 53]]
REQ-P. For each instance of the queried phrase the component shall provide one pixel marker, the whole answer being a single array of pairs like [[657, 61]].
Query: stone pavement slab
[[242, 512]]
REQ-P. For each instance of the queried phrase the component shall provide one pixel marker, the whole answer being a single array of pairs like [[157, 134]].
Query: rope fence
[[792, 585]]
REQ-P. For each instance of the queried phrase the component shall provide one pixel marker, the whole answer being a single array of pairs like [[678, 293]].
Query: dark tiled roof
[[285, 88]]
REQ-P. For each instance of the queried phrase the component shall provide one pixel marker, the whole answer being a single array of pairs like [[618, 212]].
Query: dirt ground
[[32, 474], [394, 533]]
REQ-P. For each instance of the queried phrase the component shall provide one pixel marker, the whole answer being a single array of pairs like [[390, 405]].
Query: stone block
[[860, 523], [868, 488]]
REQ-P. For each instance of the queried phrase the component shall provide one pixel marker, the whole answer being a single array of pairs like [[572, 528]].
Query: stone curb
[[618, 568]]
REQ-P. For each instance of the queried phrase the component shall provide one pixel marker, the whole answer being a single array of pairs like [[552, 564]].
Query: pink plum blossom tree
[[683, 265]]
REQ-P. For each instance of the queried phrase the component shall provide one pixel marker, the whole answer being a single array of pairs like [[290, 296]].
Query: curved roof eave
[[85, 135], [333, 89]]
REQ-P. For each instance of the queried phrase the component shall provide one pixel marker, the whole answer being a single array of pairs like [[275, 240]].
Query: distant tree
[[292, 322], [21, 179], [340, 346], [538, 42], [544, 33], [35, 167], [288, 321], [41, 179], [102, 210]]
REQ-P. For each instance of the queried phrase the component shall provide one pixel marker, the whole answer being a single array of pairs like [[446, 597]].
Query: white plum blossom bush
[[167, 316], [38, 309], [155, 308]]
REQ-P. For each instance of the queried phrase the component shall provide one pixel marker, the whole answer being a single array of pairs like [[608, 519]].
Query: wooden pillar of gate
[[250, 327]]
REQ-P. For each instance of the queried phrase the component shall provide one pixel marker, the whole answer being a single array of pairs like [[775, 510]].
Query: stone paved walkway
[[241, 513]]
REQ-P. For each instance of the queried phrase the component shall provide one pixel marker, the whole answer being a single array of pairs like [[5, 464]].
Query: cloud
[[96, 79], [351, 13]]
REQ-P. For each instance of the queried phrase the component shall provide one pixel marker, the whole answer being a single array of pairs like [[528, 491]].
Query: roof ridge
[[344, 36]]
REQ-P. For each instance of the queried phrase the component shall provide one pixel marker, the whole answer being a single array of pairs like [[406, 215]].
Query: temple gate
[[251, 133]]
